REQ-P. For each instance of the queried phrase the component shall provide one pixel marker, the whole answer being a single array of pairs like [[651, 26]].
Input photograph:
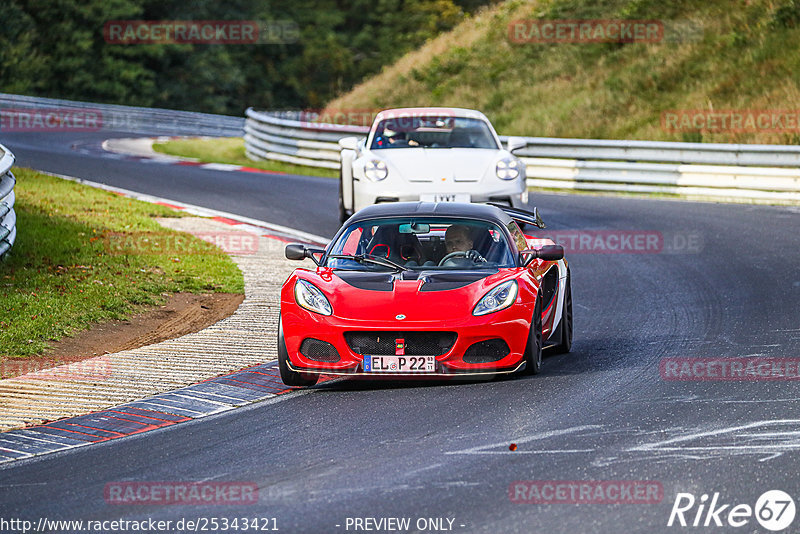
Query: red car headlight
[[499, 298], [309, 296]]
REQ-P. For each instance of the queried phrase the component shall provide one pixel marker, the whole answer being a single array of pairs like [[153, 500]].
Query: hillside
[[714, 55]]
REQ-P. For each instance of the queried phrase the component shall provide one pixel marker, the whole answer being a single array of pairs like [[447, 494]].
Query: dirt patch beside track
[[184, 313]]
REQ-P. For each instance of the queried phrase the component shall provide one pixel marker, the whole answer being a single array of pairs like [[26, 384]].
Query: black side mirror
[[298, 251], [546, 253], [295, 251]]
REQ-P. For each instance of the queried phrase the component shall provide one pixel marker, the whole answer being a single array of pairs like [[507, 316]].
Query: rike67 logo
[[774, 510]]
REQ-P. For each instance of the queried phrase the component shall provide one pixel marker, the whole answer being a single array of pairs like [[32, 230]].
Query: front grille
[[487, 351], [416, 343], [321, 351]]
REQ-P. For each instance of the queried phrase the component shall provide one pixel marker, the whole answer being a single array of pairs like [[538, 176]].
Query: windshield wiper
[[369, 258]]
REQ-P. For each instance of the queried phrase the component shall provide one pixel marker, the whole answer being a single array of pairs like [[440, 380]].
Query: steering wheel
[[474, 255]]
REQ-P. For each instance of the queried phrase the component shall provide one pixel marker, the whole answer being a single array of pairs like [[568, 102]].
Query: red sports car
[[414, 288]]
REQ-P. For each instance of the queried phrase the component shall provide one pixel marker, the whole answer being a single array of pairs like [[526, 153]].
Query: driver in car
[[457, 239]]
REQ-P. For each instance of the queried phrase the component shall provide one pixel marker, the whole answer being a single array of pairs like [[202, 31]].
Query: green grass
[[60, 277], [231, 150], [716, 55]]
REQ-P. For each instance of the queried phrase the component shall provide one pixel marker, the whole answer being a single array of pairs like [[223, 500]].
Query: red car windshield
[[418, 243]]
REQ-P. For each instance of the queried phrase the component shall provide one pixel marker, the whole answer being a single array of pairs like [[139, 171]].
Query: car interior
[[428, 249]]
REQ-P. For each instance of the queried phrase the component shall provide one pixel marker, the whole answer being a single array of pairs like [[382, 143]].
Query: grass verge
[[231, 150], [60, 277]]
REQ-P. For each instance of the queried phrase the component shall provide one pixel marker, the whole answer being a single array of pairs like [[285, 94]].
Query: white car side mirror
[[515, 143], [349, 143]]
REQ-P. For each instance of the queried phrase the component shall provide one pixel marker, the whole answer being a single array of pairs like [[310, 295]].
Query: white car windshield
[[433, 132], [421, 243]]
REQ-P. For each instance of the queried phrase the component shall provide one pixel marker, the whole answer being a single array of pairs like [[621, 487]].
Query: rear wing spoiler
[[519, 215]]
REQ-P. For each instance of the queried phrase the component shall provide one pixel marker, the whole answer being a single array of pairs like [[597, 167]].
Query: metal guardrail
[[8, 218], [765, 172], [759, 172], [282, 137], [129, 119]]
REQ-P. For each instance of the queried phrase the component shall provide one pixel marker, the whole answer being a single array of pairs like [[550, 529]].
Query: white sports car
[[433, 155]]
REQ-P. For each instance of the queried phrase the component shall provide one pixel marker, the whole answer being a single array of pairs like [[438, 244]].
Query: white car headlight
[[376, 170], [309, 296], [499, 298], [508, 168]]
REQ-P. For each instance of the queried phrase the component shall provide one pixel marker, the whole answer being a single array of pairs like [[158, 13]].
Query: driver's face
[[457, 240]]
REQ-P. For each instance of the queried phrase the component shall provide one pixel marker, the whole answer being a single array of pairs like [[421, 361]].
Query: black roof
[[432, 209]]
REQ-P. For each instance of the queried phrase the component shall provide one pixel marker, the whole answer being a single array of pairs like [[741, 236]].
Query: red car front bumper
[[510, 326]]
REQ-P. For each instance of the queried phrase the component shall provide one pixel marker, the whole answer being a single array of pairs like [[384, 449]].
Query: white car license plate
[[399, 364], [446, 197]]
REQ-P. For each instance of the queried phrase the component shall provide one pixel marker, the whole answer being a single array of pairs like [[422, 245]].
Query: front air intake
[[488, 351], [320, 351]]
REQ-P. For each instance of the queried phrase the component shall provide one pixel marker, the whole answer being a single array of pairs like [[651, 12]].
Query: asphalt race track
[[260, 196], [354, 449]]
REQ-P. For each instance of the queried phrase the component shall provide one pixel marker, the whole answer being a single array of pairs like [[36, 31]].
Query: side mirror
[[298, 251], [546, 253], [515, 143], [295, 251], [349, 143]]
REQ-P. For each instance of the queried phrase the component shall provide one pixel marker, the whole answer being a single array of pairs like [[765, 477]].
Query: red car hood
[[377, 297]]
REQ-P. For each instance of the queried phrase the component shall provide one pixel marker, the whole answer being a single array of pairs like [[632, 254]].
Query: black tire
[[289, 377], [343, 213], [533, 352], [566, 320]]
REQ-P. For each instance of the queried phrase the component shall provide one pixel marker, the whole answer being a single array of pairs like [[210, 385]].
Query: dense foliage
[[57, 48]]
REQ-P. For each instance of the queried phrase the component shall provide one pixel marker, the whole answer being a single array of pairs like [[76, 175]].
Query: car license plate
[[446, 197], [399, 364]]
